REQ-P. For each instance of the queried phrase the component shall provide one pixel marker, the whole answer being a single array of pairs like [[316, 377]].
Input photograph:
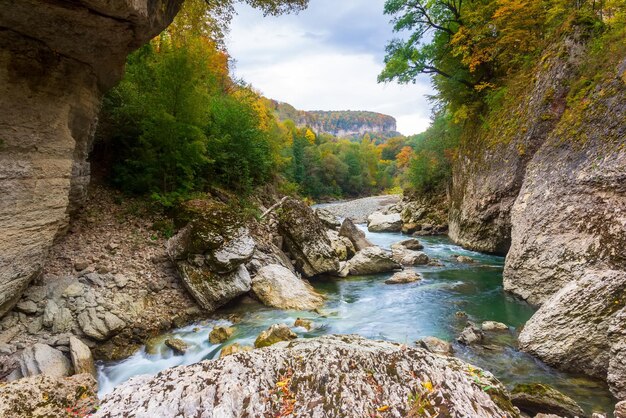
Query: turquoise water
[[401, 313]]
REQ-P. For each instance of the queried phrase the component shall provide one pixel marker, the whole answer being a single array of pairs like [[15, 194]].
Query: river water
[[401, 313]]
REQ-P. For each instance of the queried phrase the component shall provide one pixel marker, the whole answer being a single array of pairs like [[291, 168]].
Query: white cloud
[[322, 60]]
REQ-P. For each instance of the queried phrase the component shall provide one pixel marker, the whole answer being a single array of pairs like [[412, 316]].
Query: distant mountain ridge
[[342, 124]]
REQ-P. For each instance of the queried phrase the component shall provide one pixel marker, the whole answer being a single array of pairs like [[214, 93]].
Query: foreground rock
[[355, 235], [306, 240], [372, 260], [178, 346], [582, 329], [471, 335], [328, 218], [43, 359], [278, 287], [309, 376], [342, 246], [274, 334], [82, 360], [210, 253], [49, 397], [51, 121], [382, 222], [404, 277], [538, 398]]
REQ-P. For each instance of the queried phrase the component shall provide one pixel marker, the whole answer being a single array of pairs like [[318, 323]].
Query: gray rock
[[463, 259], [494, 326], [82, 359], [80, 265], [49, 313], [27, 306], [380, 222], [177, 345], [579, 328], [409, 244], [306, 240], [239, 383], [471, 335], [409, 258], [404, 277], [274, 334], [355, 235], [372, 260], [538, 398], [100, 326], [435, 345], [120, 280], [43, 359], [63, 321], [74, 290], [237, 250], [328, 218], [278, 287]]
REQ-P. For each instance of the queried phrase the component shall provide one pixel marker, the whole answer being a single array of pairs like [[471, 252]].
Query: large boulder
[[372, 260], [210, 253], [56, 60], [331, 376], [581, 328], [49, 397], [43, 359], [342, 246], [355, 235], [306, 240], [278, 287], [381, 222], [328, 218], [409, 257], [82, 359]]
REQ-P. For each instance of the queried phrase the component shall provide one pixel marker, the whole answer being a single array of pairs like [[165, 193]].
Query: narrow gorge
[[173, 243]]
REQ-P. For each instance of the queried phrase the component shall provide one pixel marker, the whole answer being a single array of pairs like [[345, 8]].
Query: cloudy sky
[[326, 58]]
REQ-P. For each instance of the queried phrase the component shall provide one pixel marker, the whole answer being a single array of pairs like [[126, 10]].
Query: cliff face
[[339, 123], [553, 193], [56, 59], [480, 206]]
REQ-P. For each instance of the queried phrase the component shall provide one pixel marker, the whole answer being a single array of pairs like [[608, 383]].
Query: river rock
[[463, 259], [240, 384], [494, 326], [233, 349], [342, 246], [304, 323], [535, 398], [278, 287], [409, 258], [372, 260], [328, 218], [210, 253], [100, 325], [404, 277], [178, 346], [409, 244], [220, 334], [49, 397], [435, 345], [43, 359], [581, 328], [471, 335], [355, 235], [380, 222], [274, 334], [306, 240], [82, 359]]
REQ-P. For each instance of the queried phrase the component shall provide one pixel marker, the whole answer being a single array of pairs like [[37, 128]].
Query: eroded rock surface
[[306, 240], [56, 59], [350, 231], [332, 376], [280, 288]]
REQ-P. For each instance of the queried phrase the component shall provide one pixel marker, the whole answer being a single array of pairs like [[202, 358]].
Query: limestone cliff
[[56, 59], [552, 192]]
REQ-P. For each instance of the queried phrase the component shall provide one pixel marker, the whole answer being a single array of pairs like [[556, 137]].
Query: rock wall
[[56, 59], [488, 176], [554, 196]]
